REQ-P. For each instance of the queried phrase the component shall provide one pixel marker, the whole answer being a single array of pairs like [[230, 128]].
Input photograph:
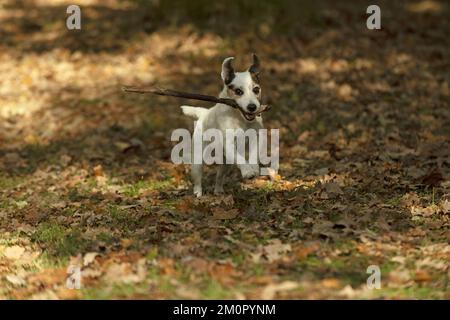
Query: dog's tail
[[194, 112]]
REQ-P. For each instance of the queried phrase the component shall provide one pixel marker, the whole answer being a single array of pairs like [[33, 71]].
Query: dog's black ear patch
[[227, 70], [254, 68]]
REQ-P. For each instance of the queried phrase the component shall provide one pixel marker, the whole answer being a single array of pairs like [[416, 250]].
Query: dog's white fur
[[224, 117]]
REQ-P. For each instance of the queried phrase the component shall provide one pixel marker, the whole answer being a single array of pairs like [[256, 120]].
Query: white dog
[[244, 88]]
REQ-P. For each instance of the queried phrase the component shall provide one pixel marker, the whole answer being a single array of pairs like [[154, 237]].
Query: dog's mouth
[[249, 116]]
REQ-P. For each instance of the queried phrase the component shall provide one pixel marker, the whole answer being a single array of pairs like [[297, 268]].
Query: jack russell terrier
[[244, 88]]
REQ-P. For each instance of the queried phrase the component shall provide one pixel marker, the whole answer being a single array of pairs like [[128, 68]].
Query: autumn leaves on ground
[[86, 177]]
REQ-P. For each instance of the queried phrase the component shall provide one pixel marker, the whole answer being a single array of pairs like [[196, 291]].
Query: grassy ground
[[86, 177]]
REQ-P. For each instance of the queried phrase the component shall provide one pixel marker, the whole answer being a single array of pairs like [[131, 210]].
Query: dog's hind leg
[[196, 173], [221, 172]]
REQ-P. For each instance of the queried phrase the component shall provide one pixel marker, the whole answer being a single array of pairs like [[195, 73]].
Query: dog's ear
[[254, 68], [227, 70]]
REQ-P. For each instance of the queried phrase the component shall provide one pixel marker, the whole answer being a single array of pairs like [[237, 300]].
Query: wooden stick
[[180, 94], [187, 95]]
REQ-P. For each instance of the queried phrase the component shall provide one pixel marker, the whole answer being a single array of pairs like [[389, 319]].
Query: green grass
[[133, 190], [414, 292], [58, 241], [106, 238], [9, 182], [115, 291], [152, 254], [123, 219], [214, 290]]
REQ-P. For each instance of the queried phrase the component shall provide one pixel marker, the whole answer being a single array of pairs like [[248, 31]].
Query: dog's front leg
[[221, 172], [197, 159], [251, 169], [197, 173], [248, 170]]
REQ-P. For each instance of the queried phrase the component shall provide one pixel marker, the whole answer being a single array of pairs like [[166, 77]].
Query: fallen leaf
[[431, 263], [275, 250], [167, 266], [124, 273], [225, 214], [433, 178], [347, 292], [14, 252], [399, 276], [188, 293], [445, 206], [321, 172], [89, 258], [331, 283], [345, 92], [333, 188], [422, 276], [68, 294], [424, 212], [98, 170], [198, 264], [126, 243], [224, 273], [399, 259], [271, 290], [303, 252], [15, 280], [325, 229]]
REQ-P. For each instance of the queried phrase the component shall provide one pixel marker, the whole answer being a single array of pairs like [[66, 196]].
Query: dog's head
[[243, 87]]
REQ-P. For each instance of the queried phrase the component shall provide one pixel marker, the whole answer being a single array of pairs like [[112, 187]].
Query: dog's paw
[[248, 175], [249, 171], [198, 192]]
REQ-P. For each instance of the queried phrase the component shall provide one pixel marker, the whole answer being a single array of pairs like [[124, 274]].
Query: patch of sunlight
[[19, 106], [424, 6], [50, 3]]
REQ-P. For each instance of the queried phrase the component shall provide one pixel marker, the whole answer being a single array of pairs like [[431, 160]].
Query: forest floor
[[86, 178]]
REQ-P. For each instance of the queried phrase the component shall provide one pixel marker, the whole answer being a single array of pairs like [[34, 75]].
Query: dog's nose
[[251, 107]]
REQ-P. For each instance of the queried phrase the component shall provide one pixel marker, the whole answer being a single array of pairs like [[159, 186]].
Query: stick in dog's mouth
[[248, 116], [252, 116], [194, 96]]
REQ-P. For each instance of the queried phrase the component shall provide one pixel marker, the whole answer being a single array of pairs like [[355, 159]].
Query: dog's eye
[[239, 92], [256, 90]]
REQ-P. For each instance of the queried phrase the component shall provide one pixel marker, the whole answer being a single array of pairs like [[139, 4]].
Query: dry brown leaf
[[123, 272], [89, 258], [188, 293], [331, 283], [98, 170], [15, 280], [271, 290], [433, 178], [224, 273], [199, 265], [422, 276], [424, 212], [333, 188], [14, 252], [445, 206], [225, 214], [302, 253], [167, 266], [275, 250]]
